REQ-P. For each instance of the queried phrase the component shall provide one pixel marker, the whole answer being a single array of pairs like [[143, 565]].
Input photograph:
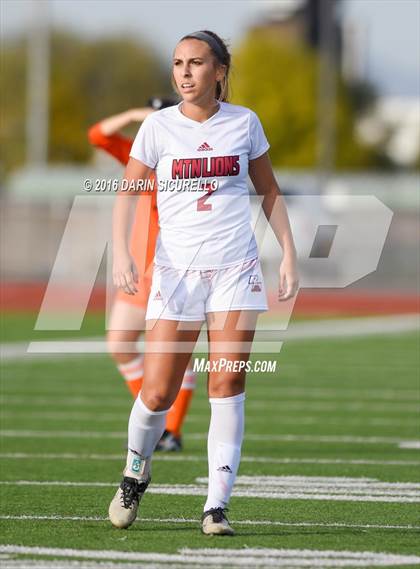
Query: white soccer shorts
[[188, 295]]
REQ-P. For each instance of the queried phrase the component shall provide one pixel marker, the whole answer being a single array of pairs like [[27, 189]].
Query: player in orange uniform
[[128, 313]]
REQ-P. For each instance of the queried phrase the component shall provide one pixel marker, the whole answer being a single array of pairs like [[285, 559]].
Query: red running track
[[310, 302]]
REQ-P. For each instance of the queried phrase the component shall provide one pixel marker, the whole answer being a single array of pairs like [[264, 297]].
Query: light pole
[[38, 72], [326, 90]]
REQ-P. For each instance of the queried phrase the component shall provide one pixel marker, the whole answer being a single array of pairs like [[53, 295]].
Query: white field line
[[351, 394], [355, 327], [285, 564], [345, 439], [283, 488], [282, 419], [30, 517], [277, 403], [327, 480], [262, 344], [410, 444], [345, 327], [315, 439], [90, 347], [253, 415], [252, 404], [305, 393], [246, 557], [91, 400], [23, 563], [203, 459]]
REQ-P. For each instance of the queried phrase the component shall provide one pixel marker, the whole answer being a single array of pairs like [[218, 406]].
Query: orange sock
[[132, 373], [176, 414]]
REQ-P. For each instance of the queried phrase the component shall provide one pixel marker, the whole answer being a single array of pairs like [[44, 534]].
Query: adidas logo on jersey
[[225, 468], [204, 146], [157, 296]]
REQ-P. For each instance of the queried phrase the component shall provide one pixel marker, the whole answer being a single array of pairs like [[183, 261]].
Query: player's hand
[[289, 280], [139, 114], [125, 274]]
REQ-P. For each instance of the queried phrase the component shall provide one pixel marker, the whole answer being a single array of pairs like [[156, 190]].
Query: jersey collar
[[198, 124]]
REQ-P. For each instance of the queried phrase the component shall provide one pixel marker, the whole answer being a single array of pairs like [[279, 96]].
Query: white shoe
[[123, 508], [215, 522]]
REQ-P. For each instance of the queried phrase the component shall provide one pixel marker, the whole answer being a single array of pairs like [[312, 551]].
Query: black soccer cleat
[[169, 443]]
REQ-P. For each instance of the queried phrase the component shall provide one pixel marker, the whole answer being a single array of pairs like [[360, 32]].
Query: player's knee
[[115, 346], [156, 400], [226, 385], [112, 346], [118, 357]]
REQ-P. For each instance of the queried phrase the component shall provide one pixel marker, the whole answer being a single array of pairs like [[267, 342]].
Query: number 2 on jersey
[[201, 202]]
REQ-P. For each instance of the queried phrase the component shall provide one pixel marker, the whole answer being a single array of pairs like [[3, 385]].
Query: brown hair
[[221, 53]]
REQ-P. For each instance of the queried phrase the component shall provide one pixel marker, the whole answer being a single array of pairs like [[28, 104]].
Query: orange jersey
[[146, 225]]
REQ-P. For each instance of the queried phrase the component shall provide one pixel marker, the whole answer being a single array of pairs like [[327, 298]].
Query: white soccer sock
[[145, 428], [224, 442]]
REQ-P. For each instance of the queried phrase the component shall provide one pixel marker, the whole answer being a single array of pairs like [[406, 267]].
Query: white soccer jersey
[[202, 197]]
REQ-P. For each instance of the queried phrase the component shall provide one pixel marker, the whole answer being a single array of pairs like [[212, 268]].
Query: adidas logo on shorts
[[157, 296], [225, 468], [204, 146]]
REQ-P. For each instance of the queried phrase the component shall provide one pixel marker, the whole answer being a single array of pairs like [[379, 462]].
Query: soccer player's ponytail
[[222, 56]]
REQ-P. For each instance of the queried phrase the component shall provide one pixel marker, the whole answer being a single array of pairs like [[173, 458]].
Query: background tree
[[279, 80], [88, 81], [12, 88]]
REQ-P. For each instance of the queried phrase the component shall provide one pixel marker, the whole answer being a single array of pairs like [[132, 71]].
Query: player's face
[[195, 71]]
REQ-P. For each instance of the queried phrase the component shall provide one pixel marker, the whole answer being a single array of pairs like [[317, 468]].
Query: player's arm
[[115, 123], [106, 133], [262, 177], [124, 271]]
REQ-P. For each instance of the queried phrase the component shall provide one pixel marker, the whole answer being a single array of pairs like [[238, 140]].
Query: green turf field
[[327, 447]]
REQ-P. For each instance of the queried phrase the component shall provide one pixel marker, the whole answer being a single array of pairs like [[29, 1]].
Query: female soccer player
[[206, 265], [128, 311]]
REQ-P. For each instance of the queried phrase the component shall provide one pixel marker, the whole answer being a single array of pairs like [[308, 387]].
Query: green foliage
[[88, 81], [12, 87], [279, 81]]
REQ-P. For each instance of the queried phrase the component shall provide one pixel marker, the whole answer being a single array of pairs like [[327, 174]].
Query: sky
[[390, 29]]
